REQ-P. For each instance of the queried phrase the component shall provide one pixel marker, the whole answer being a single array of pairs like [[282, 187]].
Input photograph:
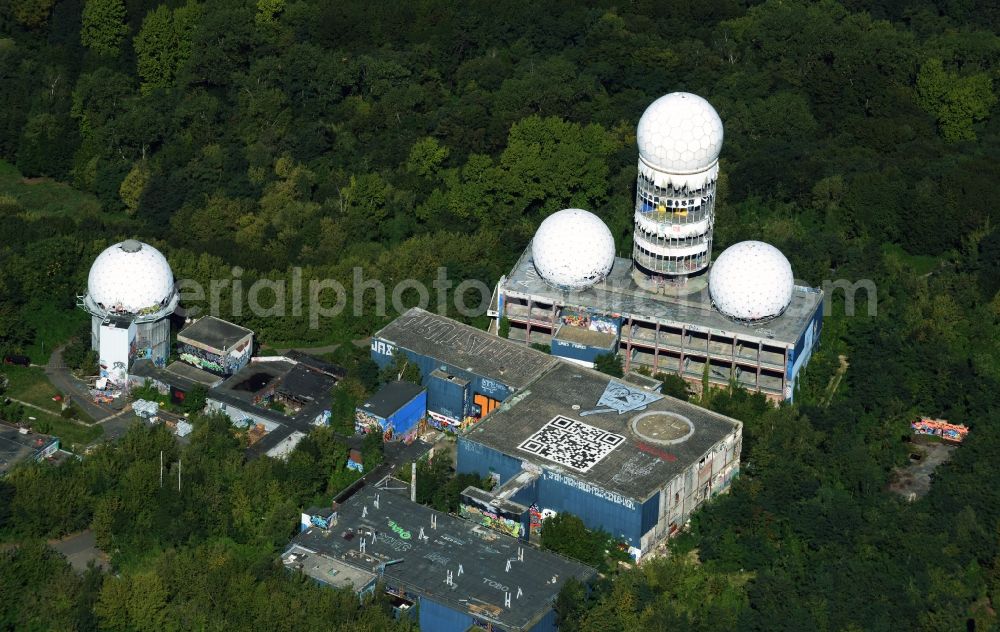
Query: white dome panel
[[130, 277], [573, 249], [676, 124], [751, 281]]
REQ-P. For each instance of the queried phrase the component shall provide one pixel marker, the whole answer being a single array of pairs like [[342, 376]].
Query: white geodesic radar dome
[[751, 281], [573, 249], [680, 133], [130, 277]]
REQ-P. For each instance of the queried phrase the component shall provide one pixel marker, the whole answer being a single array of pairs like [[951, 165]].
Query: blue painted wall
[[804, 346], [407, 417], [546, 623], [575, 351], [440, 618], [382, 351], [476, 458], [599, 509], [447, 398], [650, 513]]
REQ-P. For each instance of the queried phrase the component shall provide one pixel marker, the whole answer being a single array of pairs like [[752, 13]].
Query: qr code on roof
[[571, 443]]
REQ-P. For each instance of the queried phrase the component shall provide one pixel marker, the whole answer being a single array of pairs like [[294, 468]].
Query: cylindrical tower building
[[679, 138], [130, 296]]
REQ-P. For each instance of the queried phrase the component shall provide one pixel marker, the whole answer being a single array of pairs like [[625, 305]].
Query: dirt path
[[835, 380], [47, 411]]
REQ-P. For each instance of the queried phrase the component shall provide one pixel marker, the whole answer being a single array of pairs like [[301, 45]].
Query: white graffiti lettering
[[594, 490], [437, 558], [492, 583]]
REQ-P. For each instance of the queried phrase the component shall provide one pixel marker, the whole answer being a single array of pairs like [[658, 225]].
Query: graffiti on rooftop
[[469, 340], [623, 398], [571, 443]]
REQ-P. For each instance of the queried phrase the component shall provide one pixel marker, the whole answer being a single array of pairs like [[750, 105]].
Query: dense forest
[[270, 135]]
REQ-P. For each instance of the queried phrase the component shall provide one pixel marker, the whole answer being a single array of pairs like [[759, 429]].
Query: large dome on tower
[[680, 133], [130, 277], [751, 281], [573, 249]]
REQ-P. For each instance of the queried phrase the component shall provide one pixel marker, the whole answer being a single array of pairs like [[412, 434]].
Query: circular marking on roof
[[662, 427]]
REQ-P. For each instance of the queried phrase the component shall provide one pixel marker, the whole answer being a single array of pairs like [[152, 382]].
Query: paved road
[[67, 384], [80, 548]]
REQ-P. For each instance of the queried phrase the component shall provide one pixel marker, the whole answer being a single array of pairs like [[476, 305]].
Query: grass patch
[[54, 326], [72, 436], [920, 264], [42, 197], [30, 384]]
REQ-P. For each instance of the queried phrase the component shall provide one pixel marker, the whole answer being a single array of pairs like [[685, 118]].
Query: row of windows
[[645, 183], [671, 241], [673, 215], [670, 265]]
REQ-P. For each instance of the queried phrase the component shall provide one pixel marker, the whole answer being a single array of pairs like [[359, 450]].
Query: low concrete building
[[215, 345], [462, 575], [21, 445], [624, 459]]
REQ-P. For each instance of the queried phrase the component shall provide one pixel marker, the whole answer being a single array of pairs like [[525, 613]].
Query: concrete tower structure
[[679, 138], [130, 295]]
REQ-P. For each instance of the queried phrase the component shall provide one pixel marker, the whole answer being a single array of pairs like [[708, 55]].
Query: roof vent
[[131, 245]]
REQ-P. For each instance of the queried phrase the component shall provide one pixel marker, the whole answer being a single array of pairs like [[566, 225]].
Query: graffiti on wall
[[491, 387], [381, 347], [201, 363], [365, 422], [586, 320], [940, 428], [441, 422], [593, 490], [536, 516], [490, 519]]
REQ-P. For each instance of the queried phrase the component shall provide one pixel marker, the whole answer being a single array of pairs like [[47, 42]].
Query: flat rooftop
[[213, 333], [317, 364], [194, 374], [254, 378], [566, 422], [391, 398], [466, 347], [482, 555], [305, 383], [620, 294], [16, 447], [328, 570]]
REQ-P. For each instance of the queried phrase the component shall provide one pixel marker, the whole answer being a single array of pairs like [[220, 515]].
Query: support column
[[680, 366], [708, 355], [760, 347], [732, 368], [527, 330], [784, 373], [656, 347], [628, 345]]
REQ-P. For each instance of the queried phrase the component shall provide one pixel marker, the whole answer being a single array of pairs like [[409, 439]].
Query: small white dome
[[680, 133], [751, 281], [573, 249], [130, 276]]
